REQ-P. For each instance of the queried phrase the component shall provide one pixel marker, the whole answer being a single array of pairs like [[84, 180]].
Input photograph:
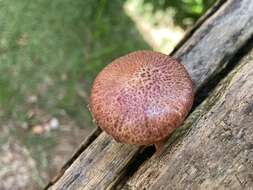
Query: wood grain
[[216, 40], [205, 53], [217, 153], [86, 142]]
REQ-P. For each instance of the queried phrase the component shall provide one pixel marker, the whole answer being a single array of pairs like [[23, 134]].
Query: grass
[[50, 52]]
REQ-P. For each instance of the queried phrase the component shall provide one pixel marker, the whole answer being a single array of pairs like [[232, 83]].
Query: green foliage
[[186, 12]]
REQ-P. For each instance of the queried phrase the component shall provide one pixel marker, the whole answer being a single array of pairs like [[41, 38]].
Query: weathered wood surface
[[204, 54], [217, 40], [217, 152], [85, 143]]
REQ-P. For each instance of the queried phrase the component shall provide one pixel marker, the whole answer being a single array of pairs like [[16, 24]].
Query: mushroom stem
[[159, 145]]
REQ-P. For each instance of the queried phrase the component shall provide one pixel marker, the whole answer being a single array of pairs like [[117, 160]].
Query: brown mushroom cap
[[141, 98]]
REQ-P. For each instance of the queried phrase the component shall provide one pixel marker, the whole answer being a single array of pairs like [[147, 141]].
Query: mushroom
[[141, 98]]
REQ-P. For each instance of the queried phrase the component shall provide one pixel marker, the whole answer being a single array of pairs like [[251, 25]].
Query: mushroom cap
[[140, 98]]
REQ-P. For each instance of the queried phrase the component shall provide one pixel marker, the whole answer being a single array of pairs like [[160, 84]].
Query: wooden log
[[84, 144], [217, 39], [208, 49], [217, 153]]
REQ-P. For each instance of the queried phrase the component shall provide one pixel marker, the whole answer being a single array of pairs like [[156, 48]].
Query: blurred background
[[50, 52]]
